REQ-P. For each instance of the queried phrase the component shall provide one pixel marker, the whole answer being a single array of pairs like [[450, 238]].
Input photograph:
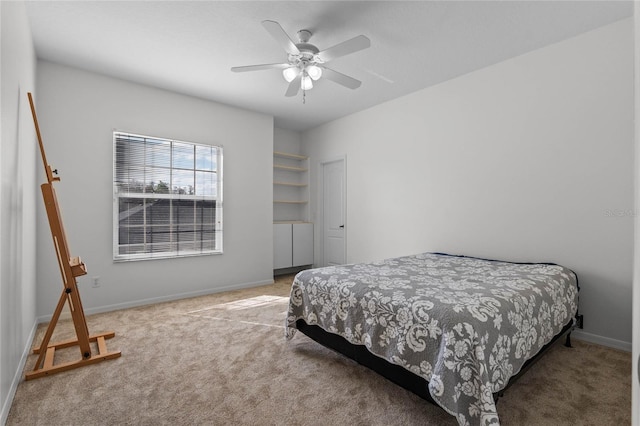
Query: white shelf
[[289, 168], [291, 156], [290, 188], [298, 185], [288, 222]]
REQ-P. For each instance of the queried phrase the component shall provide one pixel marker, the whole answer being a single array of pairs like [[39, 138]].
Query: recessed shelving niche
[[290, 187]]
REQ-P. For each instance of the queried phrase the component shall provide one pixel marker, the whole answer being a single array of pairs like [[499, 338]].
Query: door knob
[[341, 226]]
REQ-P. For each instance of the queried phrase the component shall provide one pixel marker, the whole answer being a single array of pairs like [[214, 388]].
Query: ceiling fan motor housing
[[307, 50]]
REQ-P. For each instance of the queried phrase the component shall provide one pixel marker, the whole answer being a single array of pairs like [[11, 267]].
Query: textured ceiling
[[190, 46]]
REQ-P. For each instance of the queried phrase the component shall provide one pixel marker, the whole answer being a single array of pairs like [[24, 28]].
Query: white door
[[333, 212]]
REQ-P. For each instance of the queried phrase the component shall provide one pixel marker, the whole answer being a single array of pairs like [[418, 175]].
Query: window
[[167, 198]]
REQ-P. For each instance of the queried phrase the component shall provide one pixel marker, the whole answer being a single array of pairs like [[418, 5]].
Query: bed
[[455, 330]]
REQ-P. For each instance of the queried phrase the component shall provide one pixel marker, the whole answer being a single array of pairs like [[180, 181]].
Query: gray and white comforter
[[464, 324]]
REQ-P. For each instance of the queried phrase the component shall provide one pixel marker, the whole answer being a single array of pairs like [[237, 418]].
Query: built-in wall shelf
[[287, 155], [290, 187], [299, 185], [292, 231], [291, 222], [289, 168]]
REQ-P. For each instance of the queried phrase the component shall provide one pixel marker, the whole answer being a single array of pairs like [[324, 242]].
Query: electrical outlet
[[96, 282]]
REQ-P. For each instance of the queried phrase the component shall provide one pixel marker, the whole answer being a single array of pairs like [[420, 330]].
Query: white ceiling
[[190, 46]]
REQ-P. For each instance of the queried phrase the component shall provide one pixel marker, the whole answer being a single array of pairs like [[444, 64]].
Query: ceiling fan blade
[[281, 37], [294, 86], [260, 67], [350, 46], [340, 78]]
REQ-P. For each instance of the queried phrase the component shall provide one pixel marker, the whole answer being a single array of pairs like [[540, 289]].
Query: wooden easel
[[70, 268]]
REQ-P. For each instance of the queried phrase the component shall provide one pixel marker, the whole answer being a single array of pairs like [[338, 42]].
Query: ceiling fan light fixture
[[290, 73], [306, 82], [314, 71]]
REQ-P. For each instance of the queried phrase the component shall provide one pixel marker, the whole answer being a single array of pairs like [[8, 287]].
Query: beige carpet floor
[[222, 360]]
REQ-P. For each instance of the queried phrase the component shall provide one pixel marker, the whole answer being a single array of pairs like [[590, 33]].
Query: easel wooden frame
[[70, 268]]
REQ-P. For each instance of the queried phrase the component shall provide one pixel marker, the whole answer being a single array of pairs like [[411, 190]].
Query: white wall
[[78, 112], [527, 160], [18, 190], [285, 140]]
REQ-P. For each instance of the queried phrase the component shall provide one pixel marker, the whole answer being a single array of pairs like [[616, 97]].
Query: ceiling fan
[[305, 62]]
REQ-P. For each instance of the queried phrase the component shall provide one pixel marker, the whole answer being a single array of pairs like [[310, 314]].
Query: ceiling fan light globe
[[306, 83], [290, 73], [315, 72]]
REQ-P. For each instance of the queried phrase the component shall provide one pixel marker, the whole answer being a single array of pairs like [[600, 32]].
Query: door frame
[[320, 209]]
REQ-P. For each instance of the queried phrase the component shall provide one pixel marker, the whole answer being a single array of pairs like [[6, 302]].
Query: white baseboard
[[169, 298], [600, 340], [17, 377]]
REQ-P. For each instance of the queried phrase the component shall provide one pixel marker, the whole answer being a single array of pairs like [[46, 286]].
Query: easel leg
[[50, 329], [44, 366]]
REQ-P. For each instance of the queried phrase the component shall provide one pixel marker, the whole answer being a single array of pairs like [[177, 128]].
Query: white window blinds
[[167, 198]]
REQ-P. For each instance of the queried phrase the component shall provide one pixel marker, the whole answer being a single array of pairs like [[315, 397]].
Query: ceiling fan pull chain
[[304, 96]]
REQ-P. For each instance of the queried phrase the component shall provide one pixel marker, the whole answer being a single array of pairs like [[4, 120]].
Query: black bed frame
[[401, 376]]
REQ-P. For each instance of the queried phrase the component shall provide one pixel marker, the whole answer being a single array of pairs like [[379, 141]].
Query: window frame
[[217, 223]]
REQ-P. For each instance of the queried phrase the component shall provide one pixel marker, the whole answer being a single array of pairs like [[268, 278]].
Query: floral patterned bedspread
[[464, 324]]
